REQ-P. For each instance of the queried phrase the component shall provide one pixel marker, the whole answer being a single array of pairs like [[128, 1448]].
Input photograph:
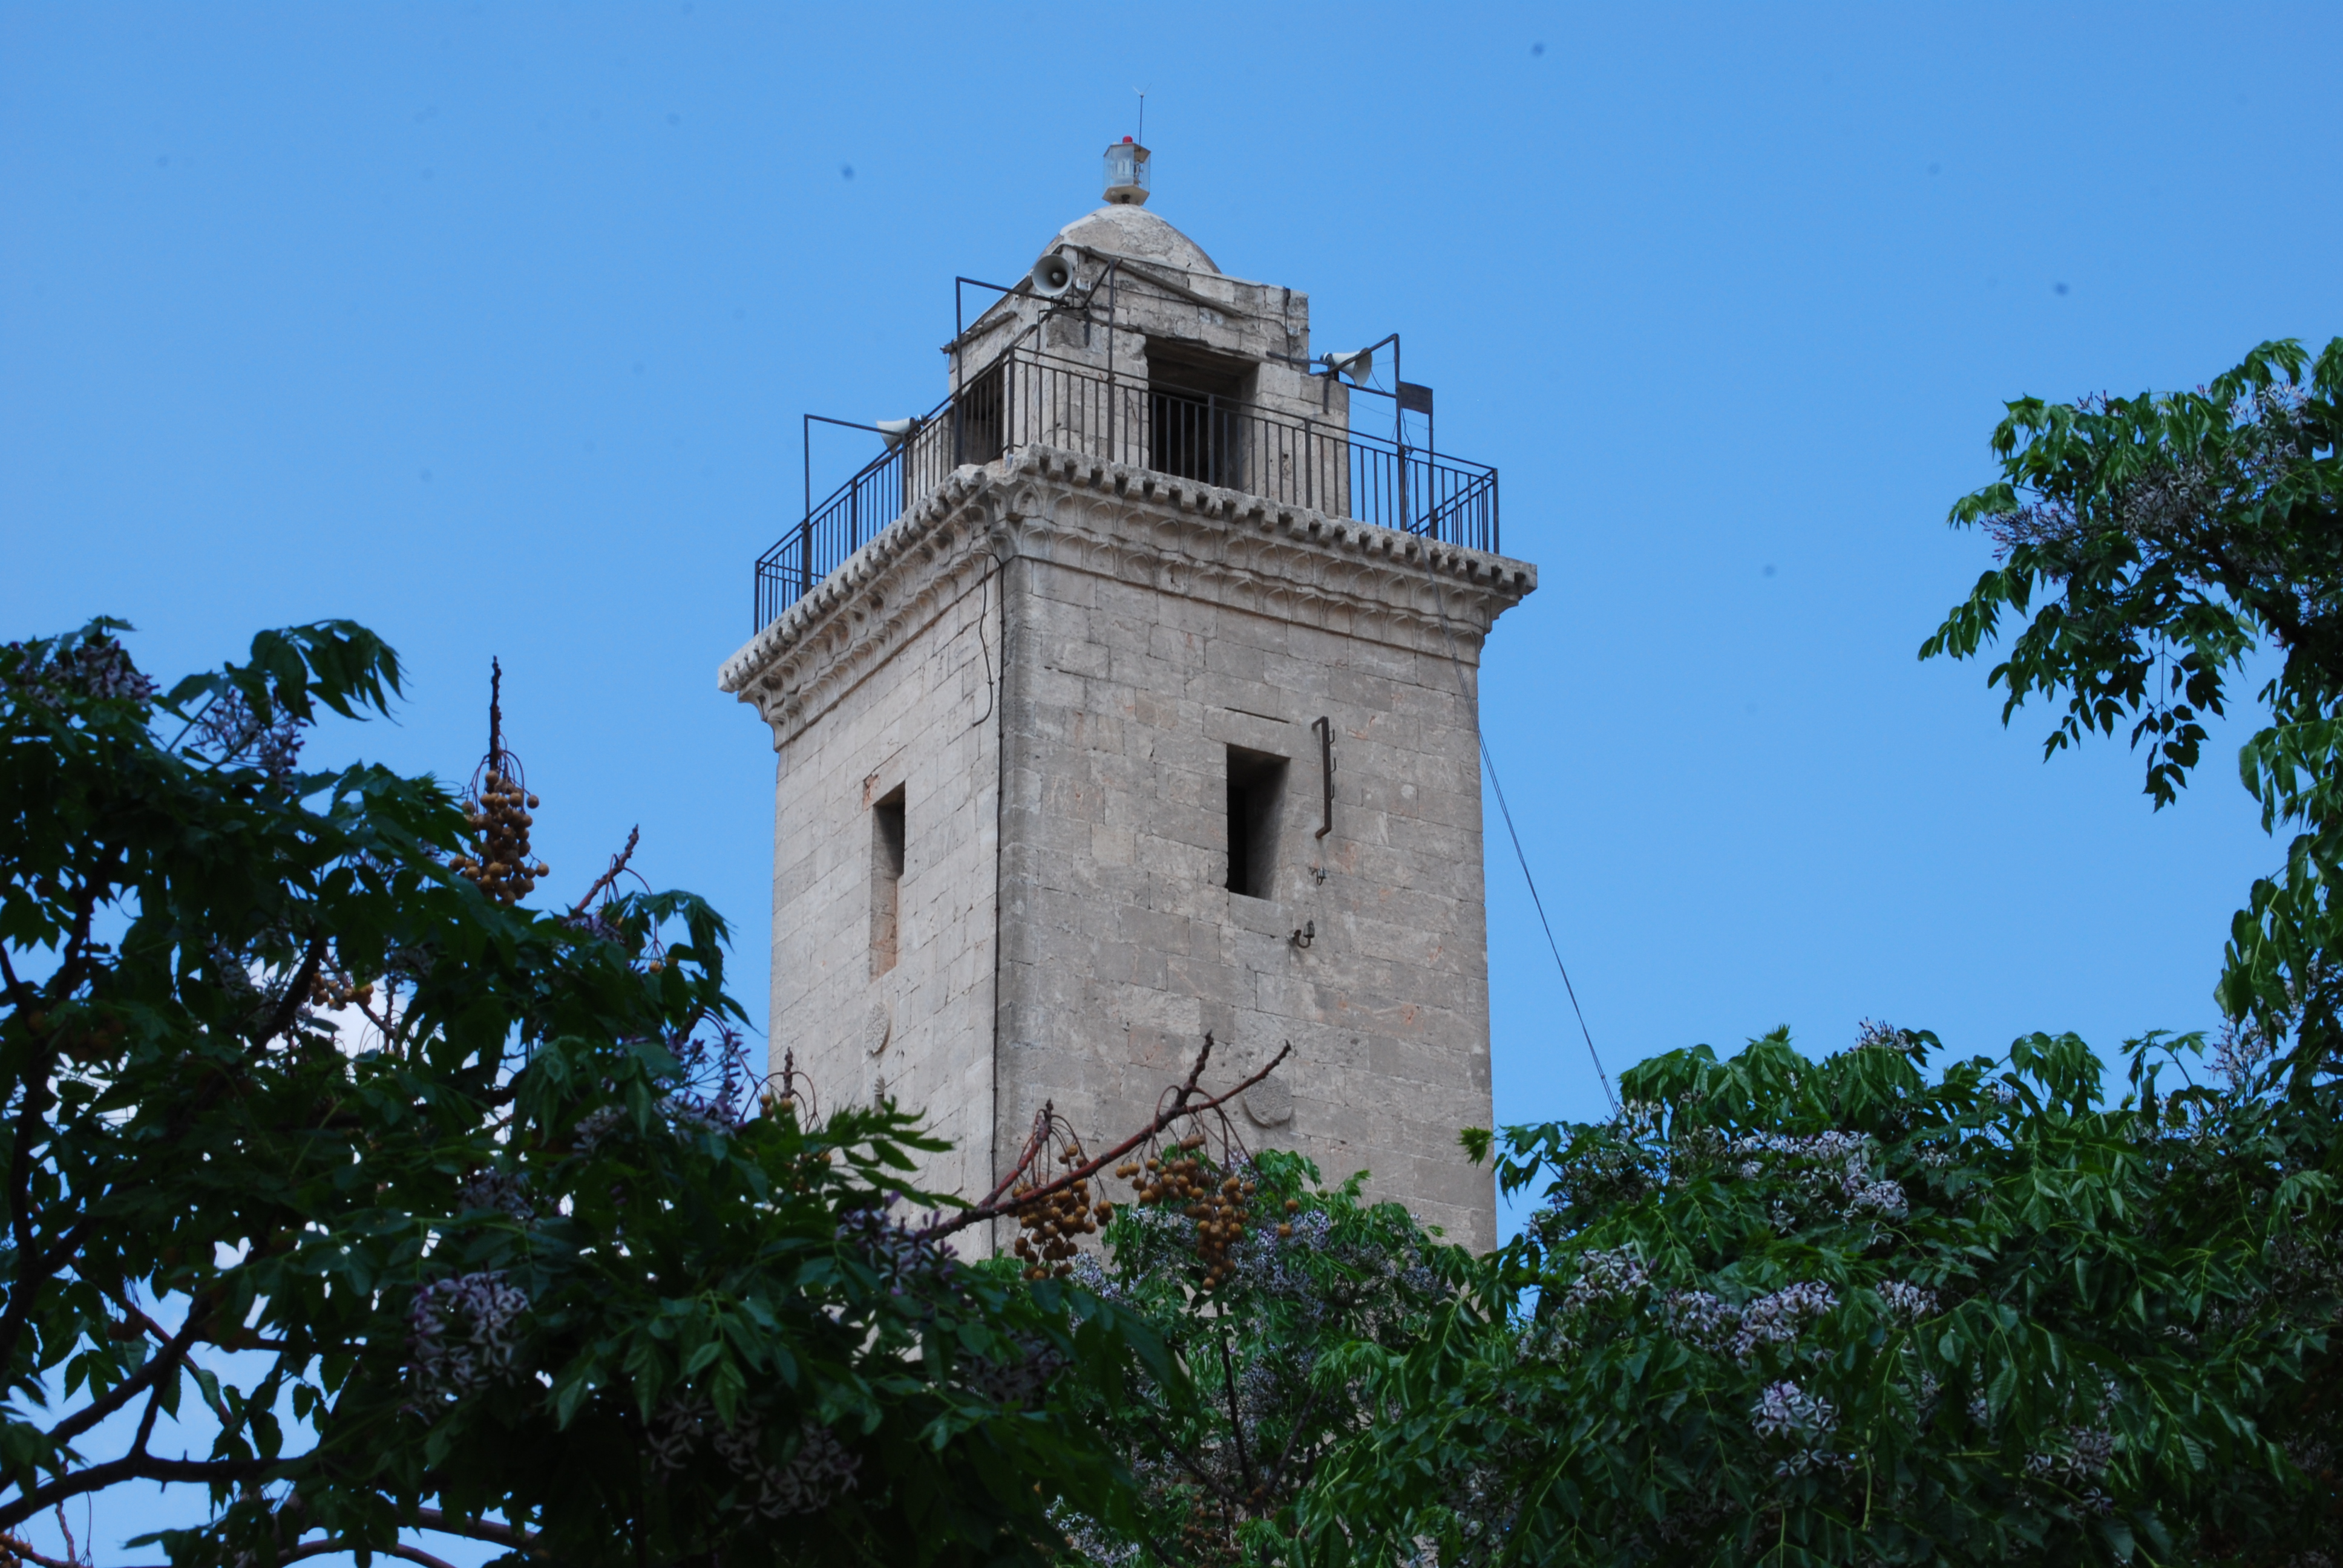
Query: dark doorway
[[980, 415], [1195, 420]]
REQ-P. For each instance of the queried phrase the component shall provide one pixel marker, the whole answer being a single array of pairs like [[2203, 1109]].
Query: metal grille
[[1029, 399], [1195, 437]]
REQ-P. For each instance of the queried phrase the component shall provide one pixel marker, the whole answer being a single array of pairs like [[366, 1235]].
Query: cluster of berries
[[1047, 1228], [1185, 1181], [498, 816], [334, 992], [1208, 1535]]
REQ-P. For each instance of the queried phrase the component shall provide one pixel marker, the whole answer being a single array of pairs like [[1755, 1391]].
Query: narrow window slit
[[886, 878], [1256, 789]]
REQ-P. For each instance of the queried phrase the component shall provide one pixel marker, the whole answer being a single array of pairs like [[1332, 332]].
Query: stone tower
[[1130, 695]]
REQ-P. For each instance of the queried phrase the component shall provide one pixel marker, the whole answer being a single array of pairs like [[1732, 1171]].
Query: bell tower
[[1131, 693]]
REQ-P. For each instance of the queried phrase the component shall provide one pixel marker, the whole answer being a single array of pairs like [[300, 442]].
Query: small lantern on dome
[[1126, 174]]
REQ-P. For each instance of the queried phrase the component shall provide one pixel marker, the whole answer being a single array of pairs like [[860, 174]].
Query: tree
[[1793, 1312], [454, 1214], [1796, 1312], [1258, 1277], [2166, 538]]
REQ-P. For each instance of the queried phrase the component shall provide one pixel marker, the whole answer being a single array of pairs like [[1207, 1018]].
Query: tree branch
[[130, 1309], [136, 1467], [992, 1208], [146, 1419], [618, 865], [1301, 1420], [1190, 1465], [1038, 1139], [18, 996], [32, 1266], [69, 957], [167, 1355], [476, 1529], [1236, 1418], [396, 1549], [1035, 1142], [297, 994], [16, 1549]]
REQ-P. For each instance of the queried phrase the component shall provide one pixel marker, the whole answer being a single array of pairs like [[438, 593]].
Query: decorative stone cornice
[[1132, 525], [876, 599]]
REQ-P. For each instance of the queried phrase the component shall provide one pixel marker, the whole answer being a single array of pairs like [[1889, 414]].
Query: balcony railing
[[1030, 400]]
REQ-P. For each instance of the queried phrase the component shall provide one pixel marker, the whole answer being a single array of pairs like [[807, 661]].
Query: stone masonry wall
[[920, 720], [1123, 943], [1079, 811]]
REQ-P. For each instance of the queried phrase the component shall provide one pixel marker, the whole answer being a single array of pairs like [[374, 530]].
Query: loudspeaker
[[1358, 366], [1051, 276], [895, 432]]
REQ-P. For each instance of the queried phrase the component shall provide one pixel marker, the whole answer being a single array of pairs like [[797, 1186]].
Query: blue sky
[[490, 324]]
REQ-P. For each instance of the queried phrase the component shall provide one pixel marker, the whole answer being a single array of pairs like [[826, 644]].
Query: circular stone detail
[[1270, 1102], [877, 1028]]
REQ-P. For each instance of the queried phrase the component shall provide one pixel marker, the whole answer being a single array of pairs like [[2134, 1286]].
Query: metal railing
[[1029, 399]]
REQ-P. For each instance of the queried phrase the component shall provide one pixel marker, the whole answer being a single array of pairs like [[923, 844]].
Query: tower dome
[[1133, 231]]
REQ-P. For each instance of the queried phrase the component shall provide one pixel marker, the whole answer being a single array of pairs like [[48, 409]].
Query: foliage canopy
[[451, 1213], [1793, 1312], [456, 1214], [2148, 546]]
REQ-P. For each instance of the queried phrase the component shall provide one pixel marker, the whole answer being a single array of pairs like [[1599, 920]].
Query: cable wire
[[1551, 946], [1489, 762]]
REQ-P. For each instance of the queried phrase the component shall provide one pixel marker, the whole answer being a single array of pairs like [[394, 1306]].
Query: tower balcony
[[1029, 397]]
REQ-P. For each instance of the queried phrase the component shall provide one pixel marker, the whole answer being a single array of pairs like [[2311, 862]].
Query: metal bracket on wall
[[1325, 730]]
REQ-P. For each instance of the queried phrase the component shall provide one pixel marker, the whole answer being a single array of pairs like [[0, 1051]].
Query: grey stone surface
[[1269, 1101]]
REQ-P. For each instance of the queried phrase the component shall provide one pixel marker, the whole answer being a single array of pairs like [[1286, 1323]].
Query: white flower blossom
[[1785, 1410], [462, 1332], [1908, 1302], [1776, 1318], [1605, 1276]]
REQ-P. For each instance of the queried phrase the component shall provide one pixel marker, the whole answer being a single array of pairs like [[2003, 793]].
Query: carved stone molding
[[1130, 525], [1243, 552], [885, 592]]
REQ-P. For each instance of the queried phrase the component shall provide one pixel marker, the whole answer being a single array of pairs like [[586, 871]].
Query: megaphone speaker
[[1051, 276], [895, 432]]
